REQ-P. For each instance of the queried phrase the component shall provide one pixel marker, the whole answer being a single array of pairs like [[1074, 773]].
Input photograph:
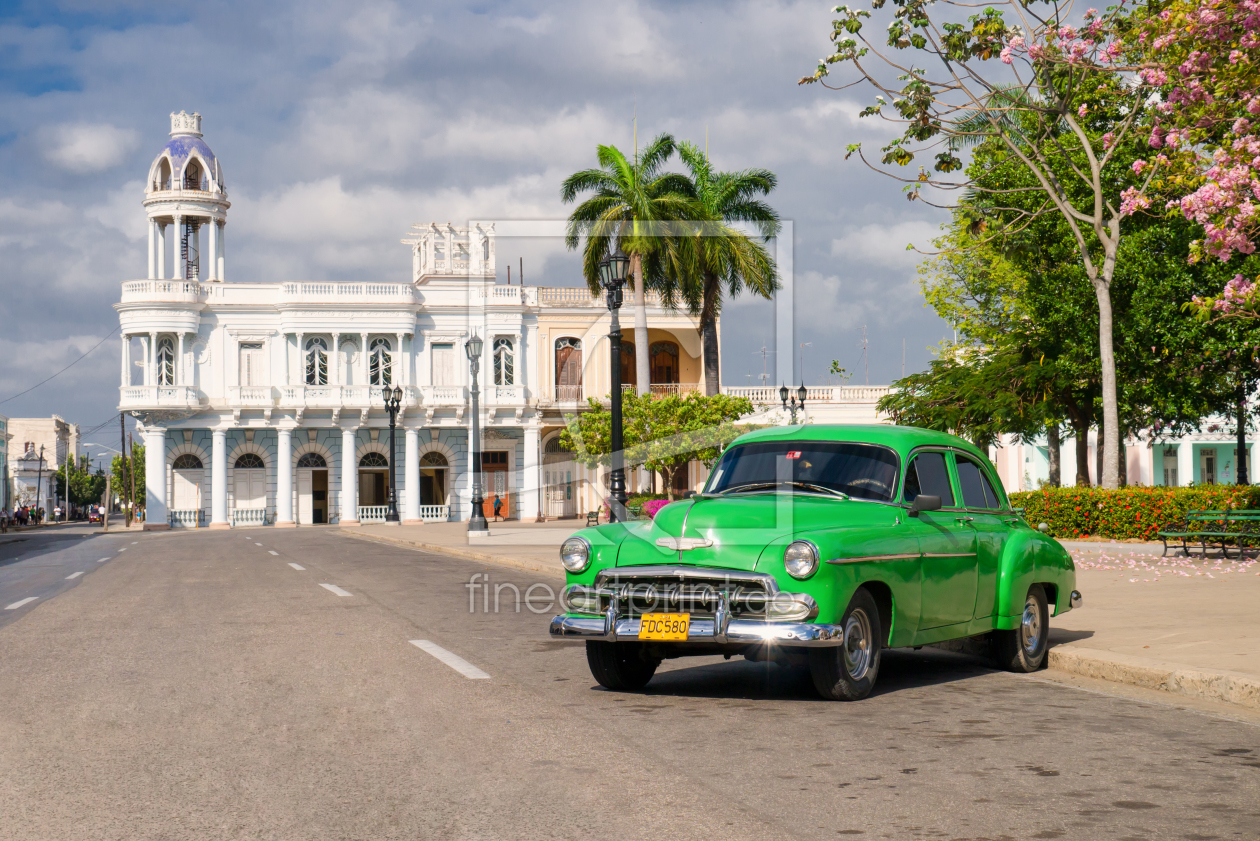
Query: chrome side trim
[[683, 573], [949, 554], [857, 560], [683, 544]]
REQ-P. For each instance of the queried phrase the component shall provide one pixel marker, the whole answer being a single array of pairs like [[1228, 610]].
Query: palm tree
[[631, 199], [726, 257]]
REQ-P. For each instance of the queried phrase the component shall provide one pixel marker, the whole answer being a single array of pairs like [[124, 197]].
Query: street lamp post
[[794, 406], [39, 482], [393, 400], [477, 522], [612, 276]]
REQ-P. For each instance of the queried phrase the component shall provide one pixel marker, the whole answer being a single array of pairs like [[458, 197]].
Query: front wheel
[[847, 672], [1024, 649], [620, 666]]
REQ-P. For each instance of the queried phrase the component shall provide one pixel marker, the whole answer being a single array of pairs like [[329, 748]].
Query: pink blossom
[[1154, 77], [1108, 140], [1080, 112], [1139, 165], [1132, 200], [1006, 55]]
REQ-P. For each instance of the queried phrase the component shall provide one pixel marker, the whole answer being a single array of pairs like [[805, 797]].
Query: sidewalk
[[1189, 626]]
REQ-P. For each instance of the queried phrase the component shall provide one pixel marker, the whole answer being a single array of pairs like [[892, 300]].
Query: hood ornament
[[683, 544]]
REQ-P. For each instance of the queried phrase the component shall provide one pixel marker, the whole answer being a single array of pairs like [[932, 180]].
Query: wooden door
[[568, 372], [445, 368], [250, 487], [186, 489], [304, 496]]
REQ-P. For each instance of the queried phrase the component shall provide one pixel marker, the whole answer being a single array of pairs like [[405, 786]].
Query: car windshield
[[828, 467]]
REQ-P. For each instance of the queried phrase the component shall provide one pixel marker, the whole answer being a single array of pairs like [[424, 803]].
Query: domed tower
[[187, 206]]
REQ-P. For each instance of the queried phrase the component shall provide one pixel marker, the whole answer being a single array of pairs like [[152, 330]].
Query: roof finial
[[185, 123]]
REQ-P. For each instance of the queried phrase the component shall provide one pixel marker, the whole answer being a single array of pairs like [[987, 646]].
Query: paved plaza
[[303, 684]]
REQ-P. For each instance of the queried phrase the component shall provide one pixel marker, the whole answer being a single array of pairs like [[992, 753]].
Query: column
[[411, 479], [221, 257], [218, 480], [284, 478], [150, 359], [301, 360], [161, 252], [349, 480], [395, 358], [335, 362], [156, 517], [212, 258], [179, 362], [177, 255], [124, 375], [1185, 463], [363, 359], [153, 240], [530, 503]]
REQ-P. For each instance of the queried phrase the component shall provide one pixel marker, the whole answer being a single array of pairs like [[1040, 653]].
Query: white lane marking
[[102, 560], [76, 575], [26, 600], [123, 549], [298, 567], [456, 662], [274, 552], [134, 542], [258, 544], [333, 588]]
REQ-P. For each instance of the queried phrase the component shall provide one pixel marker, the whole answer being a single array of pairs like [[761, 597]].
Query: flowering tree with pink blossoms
[[1024, 83], [1203, 58]]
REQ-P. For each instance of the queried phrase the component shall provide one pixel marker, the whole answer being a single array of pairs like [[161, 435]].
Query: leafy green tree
[[84, 487], [122, 471], [634, 206], [662, 433], [727, 259]]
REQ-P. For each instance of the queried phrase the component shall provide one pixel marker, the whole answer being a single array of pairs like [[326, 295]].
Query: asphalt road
[[200, 686]]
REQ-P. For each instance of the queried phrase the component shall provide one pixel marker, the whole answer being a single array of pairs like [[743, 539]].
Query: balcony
[[162, 292], [663, 389], [340, 396], [581, 297], [763, 395], [505, 395], [443, 395], [158, 397], [348, 292], [252, 396]]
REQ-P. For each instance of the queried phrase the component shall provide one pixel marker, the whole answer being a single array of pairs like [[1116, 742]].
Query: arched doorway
[[187, 474], [249, 488], [312, 489], [629, 374], [434, 471], [373, 485], [559, 483], [664, 364], [494, 475], [568, 369]]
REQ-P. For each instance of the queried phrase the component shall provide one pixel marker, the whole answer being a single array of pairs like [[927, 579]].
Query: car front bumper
[[703, 629]]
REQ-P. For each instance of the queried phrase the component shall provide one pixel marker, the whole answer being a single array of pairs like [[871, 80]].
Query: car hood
[[732, 532]]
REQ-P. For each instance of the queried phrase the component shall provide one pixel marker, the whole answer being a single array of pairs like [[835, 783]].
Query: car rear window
[[927, 474], [864, 471], [976, 490]]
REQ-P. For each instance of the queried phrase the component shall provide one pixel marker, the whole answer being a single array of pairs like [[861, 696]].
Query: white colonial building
[[264, 400]]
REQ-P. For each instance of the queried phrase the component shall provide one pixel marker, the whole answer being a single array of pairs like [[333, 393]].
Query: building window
[[312, 460], [166, 361], [629, 372], [504, 367], [380, 362], [433, 468], [316, 361], [373, 460], [568, 369], [664, 359], [187, 461], [252, 364], [250, 460]]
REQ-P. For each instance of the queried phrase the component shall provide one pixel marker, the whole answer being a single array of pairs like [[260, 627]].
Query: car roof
[[903, 439]]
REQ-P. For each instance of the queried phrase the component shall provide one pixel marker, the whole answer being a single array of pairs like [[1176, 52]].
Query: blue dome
[[181, 147], [184, 145]]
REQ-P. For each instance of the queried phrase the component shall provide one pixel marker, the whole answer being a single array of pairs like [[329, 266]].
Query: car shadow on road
[[1059, 636], [900, 670]]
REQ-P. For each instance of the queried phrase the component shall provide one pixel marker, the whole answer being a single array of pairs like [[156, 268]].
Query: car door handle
[[964, 519]]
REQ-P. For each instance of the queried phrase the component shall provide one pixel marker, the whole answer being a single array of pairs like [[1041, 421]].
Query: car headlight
[[575, 554], [800, 559]]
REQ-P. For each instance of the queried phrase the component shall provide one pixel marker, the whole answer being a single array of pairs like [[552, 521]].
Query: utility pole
[[131, 469], [122, 460]]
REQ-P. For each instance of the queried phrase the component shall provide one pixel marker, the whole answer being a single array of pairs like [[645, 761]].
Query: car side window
[[976, 490], [928, 474]]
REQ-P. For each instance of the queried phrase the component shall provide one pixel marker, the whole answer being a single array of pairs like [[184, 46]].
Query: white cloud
[[122, 211], [87, 147], [885, 245]]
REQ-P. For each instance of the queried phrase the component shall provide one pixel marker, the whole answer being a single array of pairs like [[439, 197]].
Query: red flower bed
[[1127, 513]]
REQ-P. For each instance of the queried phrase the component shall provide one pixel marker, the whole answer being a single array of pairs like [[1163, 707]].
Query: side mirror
[[1044, 528], [923, 502], [688, 494]]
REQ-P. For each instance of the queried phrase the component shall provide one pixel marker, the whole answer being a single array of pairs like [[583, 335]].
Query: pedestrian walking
[[498, 506]]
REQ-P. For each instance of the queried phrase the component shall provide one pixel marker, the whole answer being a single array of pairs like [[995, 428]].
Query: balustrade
[[435, 513], [248, 517], [373, 513]]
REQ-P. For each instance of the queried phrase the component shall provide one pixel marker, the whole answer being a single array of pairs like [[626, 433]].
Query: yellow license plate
[[664, 626]]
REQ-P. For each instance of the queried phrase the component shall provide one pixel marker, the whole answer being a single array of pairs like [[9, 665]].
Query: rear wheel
[[620, 666], [1024, 649], [847, 672]]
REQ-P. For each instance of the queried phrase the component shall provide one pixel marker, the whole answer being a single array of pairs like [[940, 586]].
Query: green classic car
[[820, 545]]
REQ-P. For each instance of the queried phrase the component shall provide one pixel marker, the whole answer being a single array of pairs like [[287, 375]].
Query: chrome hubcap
[[1030, 627], [857, 645]]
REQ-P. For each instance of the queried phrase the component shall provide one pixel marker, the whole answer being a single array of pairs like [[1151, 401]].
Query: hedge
[[1127, 513]]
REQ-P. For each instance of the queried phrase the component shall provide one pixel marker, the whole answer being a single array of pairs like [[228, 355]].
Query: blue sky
[[341, 124]]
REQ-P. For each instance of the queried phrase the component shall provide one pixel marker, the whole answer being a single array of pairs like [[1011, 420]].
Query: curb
[[1207, 684], [454, 551]]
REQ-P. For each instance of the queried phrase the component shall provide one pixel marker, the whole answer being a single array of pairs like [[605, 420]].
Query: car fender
[[1029, 558]]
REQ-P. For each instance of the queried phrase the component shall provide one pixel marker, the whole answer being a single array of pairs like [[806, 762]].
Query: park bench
[[1204, 527]]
